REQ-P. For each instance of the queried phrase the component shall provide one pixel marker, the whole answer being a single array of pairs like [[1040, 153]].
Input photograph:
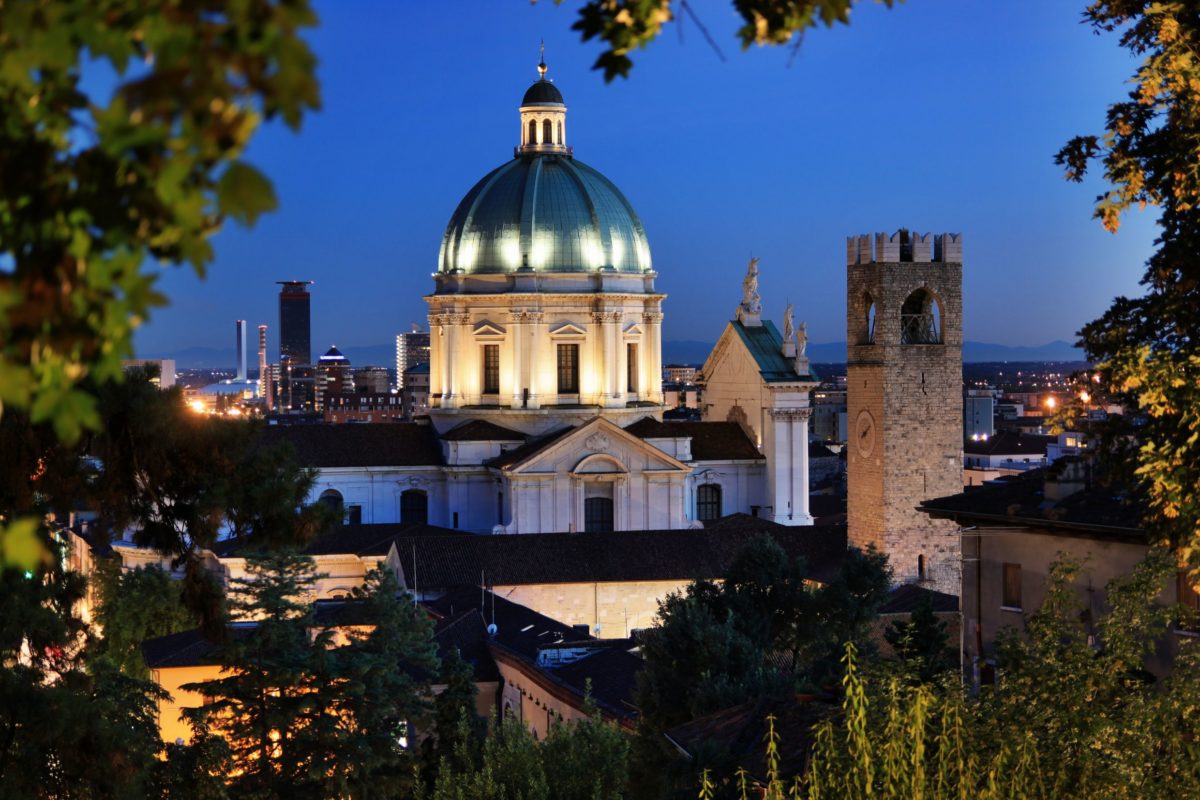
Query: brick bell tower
[[904, 403]]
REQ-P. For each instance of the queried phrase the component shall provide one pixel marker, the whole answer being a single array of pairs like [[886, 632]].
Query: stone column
[[455, 358], [535, 330], [652, 358], [787, 465], [437, 359], [519, 342]]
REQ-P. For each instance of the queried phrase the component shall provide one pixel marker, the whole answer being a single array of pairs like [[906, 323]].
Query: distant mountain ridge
[[674, 352]]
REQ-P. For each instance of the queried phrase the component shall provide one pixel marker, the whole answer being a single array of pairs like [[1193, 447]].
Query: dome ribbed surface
[[550, 213], [540, 93]]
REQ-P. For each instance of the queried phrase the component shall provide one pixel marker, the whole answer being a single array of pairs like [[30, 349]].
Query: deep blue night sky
[[937, 115]]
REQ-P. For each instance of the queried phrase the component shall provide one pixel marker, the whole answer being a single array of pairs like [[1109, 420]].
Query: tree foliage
[[133, 606], [1074, 713], [623, 26], [303, 716], [1148, 347]]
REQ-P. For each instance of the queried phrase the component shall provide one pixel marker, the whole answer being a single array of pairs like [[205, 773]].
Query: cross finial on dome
[[542, 60]]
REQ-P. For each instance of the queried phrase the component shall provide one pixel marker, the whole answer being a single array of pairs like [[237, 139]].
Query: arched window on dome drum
[[414, 506], [708, 502], [559, 132], [547, 132], [532, 139]]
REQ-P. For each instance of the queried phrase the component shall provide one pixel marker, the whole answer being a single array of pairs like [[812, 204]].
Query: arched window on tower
[[547, 132], [868, 336], [920, 319], [559, 132], [708, 502], [414, 506], [532, 138]]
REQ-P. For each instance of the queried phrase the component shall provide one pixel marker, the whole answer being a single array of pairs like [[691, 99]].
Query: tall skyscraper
[[265, 382], [241, 351], [411, 349], [294, 329]]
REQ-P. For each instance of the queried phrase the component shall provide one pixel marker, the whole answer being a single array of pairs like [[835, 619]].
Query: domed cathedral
[[546, 375], [544, 307]]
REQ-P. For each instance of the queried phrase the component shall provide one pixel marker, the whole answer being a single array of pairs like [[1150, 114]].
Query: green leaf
[[20, 547], [244, 193]]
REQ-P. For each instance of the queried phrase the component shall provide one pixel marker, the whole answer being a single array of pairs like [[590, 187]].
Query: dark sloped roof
[[905, 600], [765, 343], [518, 628], [519, 454], [738, 733], [478, 430], [467, 633], [363, 540], [532, 558], [1095, 511], [711, 441], [612, 672], [818, 450], [184, 649], [391, 444], [1007, 443]]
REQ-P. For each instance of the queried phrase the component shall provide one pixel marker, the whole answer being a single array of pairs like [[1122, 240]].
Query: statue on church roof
[[802, 341], [751, 302], [788, 325]]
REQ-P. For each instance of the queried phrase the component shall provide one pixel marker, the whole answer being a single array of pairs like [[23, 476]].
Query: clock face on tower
[[864, 433]]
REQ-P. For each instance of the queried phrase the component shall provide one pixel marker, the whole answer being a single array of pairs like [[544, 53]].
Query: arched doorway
[[414, 506]]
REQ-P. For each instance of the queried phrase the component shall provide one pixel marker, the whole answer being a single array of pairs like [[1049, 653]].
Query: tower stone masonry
[[904, 403]]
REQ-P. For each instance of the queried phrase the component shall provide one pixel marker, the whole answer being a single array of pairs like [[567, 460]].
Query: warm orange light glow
[[198, 406], [1085, 396], [1051, 402]]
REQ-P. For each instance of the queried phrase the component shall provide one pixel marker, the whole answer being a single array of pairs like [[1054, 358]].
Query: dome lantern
[[543, 117]]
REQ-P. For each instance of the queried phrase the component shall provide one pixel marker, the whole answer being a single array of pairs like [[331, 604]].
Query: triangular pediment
[[568, 329], [488, 328], [633, 330], [597, 446]]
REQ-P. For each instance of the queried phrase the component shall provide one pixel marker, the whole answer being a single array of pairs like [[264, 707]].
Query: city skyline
[[366, 188]]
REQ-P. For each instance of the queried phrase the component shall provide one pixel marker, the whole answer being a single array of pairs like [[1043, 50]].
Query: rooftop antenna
[[542, 60], [414, 549]]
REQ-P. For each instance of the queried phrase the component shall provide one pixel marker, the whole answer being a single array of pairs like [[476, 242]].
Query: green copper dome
[[548, 213]]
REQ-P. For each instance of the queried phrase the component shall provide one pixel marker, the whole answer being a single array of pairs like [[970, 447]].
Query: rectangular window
[[1188, 597], [491, 369], [354, 515], [568, 369], [1011, 597], [632, 371]]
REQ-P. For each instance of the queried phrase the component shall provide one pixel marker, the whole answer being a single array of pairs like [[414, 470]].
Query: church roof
[[666, 555], [711, 441], [393, 444], [532, 447], [548, 212], [765, 345], [479, 430], [541, 93]]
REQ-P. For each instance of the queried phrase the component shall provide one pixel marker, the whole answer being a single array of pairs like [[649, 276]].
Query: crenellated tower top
[[904, 247]]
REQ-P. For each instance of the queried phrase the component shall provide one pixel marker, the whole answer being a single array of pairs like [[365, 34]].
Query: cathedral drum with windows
[[904, 381]]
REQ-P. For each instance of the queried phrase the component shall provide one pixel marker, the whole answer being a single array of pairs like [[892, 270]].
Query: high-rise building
[[904, 328], [295, 342], [411, 349], [265, 383], [333, 376], [241, 351]]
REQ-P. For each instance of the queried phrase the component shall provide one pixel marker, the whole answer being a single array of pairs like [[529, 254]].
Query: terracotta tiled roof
[[612, 673], [518, 628], [519, 454], [392, 444], [711, 441], [362, 540], [1006, 443]]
